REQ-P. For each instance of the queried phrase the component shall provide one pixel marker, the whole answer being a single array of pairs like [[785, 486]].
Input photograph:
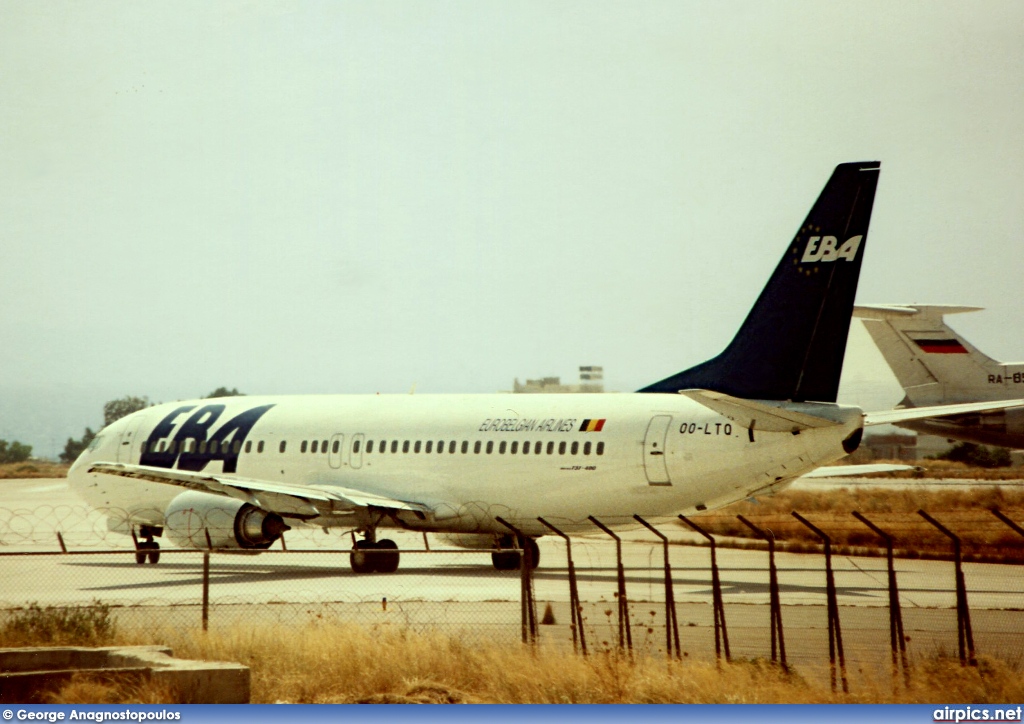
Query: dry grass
[[33, 469], [339, 663], [966, 512], [944, 469], [98, 689]]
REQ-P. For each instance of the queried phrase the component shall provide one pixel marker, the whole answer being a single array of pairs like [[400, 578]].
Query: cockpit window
[[96, 442]]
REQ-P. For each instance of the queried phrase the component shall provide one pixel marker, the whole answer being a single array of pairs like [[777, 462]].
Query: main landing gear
[[146, 548], [369, 555], [510, 560]]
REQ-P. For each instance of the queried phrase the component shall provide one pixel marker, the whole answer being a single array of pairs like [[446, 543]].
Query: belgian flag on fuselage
[[592, 425], [792, 343]]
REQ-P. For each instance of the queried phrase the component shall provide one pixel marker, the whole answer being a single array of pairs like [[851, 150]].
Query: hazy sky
[[357, 197]]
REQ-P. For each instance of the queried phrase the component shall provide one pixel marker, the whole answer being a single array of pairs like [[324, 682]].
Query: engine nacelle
[[229, 523]]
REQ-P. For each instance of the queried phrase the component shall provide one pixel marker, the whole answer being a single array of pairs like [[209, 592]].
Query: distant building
[[591, 380], [899, 446]]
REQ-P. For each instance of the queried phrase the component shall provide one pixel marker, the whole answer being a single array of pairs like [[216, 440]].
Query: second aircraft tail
[[933, 363]]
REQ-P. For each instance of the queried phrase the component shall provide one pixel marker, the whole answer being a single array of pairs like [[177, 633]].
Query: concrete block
[[27, 674]]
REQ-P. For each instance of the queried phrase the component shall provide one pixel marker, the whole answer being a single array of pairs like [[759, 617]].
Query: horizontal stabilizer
[[892, 417], [282, 498], [848, 471], [756, 415], [895, 311]]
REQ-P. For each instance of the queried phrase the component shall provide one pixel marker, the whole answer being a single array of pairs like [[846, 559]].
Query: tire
[[154, 554], [531, 544], [505, 560], [140, 556], [361, 558], [386, 557]]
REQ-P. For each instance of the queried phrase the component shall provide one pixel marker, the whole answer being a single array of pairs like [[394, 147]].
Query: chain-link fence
[[639, 592]]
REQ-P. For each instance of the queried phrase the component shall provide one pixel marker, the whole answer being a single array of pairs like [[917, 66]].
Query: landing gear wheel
[[511, 560], [386, 559], [361, 558], [505, 560], [531, 545], [147, 549]]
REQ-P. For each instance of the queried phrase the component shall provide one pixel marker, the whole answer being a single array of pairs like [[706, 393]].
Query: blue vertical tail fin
[[792, 343]]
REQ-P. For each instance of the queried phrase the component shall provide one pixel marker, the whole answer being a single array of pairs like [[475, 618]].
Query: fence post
[[527, 607], [671, 622], [60, 539], [625, 632], [576, 608], [897, 640], [206, 590], [721, 633], [835, 633], [997, 513], [963, 613], [773, 594]]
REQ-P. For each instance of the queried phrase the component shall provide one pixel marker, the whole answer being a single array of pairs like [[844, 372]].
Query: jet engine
[[203, 520]]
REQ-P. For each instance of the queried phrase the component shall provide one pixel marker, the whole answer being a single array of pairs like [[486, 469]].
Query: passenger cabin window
[[526, 448], [394, 446], [440, 446], [600, 448], [515, 447], [451, 448], [586, 448], [575, 448], [476, 447], [383, 447], [416, 447], [405, 446], [355, 446], [248, 446], [259, 447], [369, 446], [465, 446], [202, 447], [430, 446], [501, 448], [284, 444], [302, 448], [551, 447], [314, 448], [561, 448], [337, 445], [237, 446]]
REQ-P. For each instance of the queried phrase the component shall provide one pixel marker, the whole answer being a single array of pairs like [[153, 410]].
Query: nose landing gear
[[146, 548]]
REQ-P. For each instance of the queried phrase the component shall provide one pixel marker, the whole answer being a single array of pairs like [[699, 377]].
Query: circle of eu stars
[[796, 249]]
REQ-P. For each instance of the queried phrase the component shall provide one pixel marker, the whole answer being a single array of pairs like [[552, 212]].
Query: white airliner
[[937, 366], [235, 473]]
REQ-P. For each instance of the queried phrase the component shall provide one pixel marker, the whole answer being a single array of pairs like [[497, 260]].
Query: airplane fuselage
[[468, 459]]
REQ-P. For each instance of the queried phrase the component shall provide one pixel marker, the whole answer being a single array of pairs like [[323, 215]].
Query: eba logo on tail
[[824, 248]]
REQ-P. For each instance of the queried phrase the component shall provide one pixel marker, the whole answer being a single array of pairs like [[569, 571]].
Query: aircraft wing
[[903, 414], [286, 499], [845, 471], [756, 415]]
